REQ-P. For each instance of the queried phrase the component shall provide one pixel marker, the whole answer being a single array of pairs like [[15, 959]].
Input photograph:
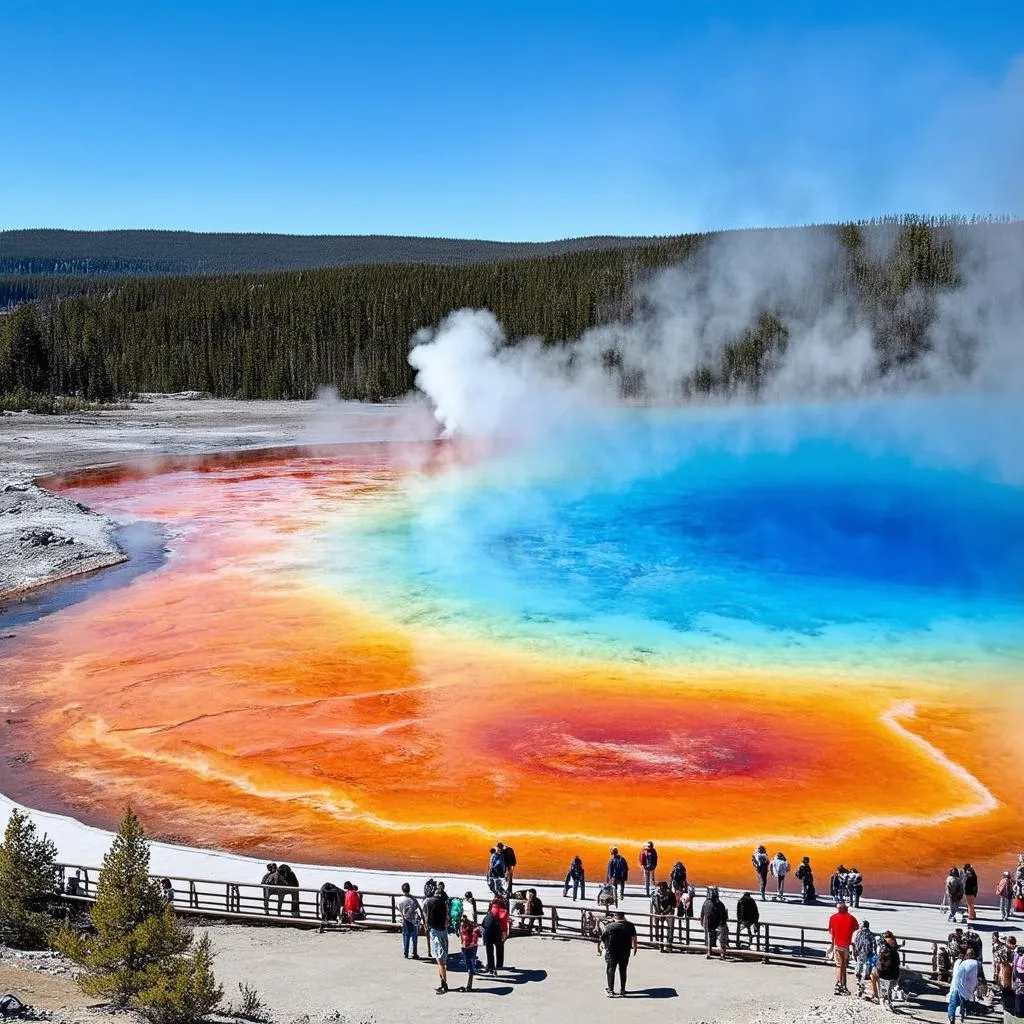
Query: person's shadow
[[652, 993], [524, 977]]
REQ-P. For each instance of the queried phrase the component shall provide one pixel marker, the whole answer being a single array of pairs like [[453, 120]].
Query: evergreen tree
[[27, 359], [29, 884], [141, 956]]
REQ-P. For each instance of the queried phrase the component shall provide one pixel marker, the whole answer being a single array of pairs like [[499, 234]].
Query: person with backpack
[[970, 877], [496, 872], [748, 918], [618, 872], [759, 858], [533, 912], [412, 919], [714, 919], [577, 876], [837, 885], [435, 911], [864, 950], [455, 914], [508, 860], [494, 929], [954, 892], [888, 969], [1004, 892], [663, 909], [469, 936], [648, 864], [780, 868], [607, 896]]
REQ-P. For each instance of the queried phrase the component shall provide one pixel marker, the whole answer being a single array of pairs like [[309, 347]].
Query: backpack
[[760, 862], [429, 888], [455, 914], [782, 868], [955, 888]]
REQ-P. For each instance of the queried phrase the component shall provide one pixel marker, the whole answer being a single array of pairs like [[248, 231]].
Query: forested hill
[[154, 253], [285, 334]]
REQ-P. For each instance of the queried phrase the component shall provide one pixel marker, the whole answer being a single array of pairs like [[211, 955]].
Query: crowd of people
[[874, 958]]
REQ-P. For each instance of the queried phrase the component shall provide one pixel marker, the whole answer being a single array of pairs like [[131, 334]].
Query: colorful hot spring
[[796, 626]]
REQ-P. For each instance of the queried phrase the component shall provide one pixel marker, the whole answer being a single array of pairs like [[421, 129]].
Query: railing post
[[803, 950], [554, 919], [767, 941], [193, 895], [687, 919], [394, 910]]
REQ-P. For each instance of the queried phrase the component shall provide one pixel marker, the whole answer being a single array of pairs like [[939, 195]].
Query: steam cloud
[[481, 385]]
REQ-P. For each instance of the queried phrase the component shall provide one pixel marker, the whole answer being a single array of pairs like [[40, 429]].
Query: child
[[469, 933]]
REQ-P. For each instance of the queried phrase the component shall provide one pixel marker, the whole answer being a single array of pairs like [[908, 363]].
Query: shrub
[[141, 956], [29, 884]]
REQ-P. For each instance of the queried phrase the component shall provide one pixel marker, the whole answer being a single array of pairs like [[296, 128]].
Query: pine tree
[[141, 956], [29, 884]]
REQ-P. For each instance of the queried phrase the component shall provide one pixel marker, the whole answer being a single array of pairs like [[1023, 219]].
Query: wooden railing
[[302, 907]]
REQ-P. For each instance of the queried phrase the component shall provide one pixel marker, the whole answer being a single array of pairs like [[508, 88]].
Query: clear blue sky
[[514, 120]]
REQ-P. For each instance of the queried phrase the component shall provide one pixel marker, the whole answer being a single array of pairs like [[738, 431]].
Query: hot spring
[[796, 626]]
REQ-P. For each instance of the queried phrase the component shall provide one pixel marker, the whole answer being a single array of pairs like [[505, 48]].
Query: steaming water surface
[[716, 537]]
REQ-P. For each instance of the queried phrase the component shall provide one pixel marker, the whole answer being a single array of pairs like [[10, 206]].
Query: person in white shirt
[[963, 986]]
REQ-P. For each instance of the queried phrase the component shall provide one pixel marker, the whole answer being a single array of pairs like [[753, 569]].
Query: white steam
[[484, 384]]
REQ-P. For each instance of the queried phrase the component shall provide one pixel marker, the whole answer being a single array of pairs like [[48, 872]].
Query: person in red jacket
[[841, 926], [353, 903]]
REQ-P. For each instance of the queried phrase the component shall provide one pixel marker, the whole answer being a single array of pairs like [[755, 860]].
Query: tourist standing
[[269, 883], [714, 919], [287, 878], [496, 872], [888, 969], [618, 872], [677, 879], [494, 930], [954, 892], [864, 950], [806, 877], [748, 918], [534, 912], [469, 934], [759, 859], [837, 885], [780, 868], [855, 882], [619, 941], [435, 911], [970, 890], [663, 909], [963, 987], [577, 876], [841, 926], [412, 918], [648, 864], [1004, 891], [508, 860]]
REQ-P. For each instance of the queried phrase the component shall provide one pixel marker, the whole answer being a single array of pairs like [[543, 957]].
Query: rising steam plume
[[769, 316]]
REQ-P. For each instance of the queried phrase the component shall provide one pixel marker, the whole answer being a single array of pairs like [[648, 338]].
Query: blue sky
[[505, 120]]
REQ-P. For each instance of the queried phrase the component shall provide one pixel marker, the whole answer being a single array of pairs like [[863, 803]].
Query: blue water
[[892, 531]]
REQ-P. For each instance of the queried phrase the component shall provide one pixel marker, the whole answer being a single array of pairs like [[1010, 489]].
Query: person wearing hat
[[648, 864]]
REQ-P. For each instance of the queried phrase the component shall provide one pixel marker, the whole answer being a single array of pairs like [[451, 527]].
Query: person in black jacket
[[806, 878], [759, 858], [618, 871], [970, 877], [269, 883], [577, 877], [663, 910], [714, 919], [888, 969], [287, 878], [748, 917]]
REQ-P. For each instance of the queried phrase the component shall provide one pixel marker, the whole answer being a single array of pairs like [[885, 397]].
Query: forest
[[286, 334]]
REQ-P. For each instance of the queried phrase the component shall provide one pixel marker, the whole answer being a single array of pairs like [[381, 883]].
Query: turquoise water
[[858, 536]]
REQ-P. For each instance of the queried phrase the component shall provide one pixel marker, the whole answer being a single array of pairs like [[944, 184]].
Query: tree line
[[284, 335]]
